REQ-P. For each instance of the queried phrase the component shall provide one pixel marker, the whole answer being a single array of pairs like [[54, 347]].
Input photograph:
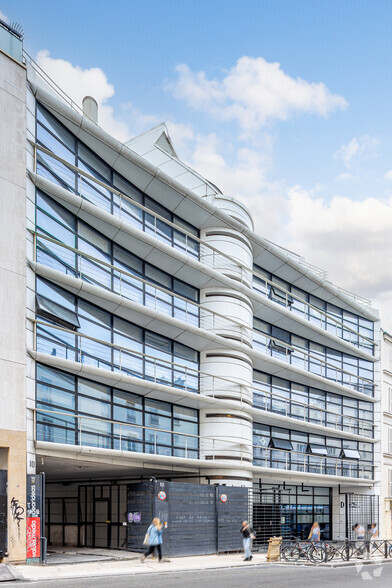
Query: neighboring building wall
[[386, 437], [13, 296]]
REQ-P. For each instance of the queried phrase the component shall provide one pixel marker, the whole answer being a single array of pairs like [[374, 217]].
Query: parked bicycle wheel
[[316, 553], [291, 553]]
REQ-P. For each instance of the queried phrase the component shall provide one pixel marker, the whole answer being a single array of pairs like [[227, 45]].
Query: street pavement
[[263, 576]]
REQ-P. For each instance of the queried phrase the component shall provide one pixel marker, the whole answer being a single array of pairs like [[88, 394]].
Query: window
[[317, 449], [57, 313], [350, 454], [390, 440], [390, 483], [281, 444], [390, 401]]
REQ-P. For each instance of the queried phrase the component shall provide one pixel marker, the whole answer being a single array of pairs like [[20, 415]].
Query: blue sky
[[306, 144]]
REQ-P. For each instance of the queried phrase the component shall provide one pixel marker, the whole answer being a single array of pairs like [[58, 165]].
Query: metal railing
[[82, 265], [314, 365], [311, 313], [121, 435], [298, 461], [210, 256], [64, 96], [310, 413], [86, 349]]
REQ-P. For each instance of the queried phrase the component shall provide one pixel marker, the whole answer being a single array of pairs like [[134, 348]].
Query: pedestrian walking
[[360, 533], [248, 535], [153, 539], [373, 534], [314, 534]]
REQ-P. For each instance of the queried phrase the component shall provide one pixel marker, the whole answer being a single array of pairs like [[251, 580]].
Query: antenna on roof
[[18, 29]]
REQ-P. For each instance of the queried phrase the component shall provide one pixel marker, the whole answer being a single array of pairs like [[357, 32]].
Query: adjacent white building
[[150, 332]]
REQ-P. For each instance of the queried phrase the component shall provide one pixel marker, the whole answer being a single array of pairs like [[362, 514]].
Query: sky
[[283, 104]]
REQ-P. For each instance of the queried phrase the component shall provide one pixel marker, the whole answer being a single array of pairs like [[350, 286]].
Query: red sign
[[33, 537], [162, 495], [223, 497]]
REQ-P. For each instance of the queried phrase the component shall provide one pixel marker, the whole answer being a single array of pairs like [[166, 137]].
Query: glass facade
[[125, 278], [345, 325], [113, 343], [323, 361], [312, 405], [52, 135], [111, 418], [286, 449]]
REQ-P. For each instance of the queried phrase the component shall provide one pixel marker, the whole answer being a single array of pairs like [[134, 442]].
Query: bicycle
[[294, 551]]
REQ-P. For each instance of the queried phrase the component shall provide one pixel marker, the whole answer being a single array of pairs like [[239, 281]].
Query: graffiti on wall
[[17, 512]]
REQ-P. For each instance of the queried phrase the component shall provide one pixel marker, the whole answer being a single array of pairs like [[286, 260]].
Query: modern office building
[[149, 332]]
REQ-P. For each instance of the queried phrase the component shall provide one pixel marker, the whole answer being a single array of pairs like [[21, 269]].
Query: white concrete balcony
[[62, 433], [174, 382], [326, 329]]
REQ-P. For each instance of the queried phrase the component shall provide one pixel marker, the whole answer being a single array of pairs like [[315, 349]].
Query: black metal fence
[[294, 551]]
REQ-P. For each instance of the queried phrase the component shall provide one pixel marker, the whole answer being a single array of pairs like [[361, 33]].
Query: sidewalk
[[85, 563], [127, 564]]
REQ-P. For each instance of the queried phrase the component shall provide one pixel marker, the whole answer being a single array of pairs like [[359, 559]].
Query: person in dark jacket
[[247, 535]]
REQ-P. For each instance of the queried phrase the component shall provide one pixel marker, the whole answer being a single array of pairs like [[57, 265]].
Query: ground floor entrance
[[289, 511]]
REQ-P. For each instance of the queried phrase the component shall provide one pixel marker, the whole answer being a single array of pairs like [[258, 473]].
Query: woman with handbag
[[248, 535], [153, 539]]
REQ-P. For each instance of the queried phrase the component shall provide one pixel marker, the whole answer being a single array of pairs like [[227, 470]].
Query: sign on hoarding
[[33, 519]]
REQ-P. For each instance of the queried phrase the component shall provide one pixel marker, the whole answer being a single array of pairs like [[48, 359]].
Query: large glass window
[[323, 361], [79, 411], [310, 404], [100, 254], [339, 322], [54, 137], [295, 450], [111, 343]]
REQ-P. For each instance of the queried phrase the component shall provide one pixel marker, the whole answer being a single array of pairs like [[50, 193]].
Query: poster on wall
[[33, 518]]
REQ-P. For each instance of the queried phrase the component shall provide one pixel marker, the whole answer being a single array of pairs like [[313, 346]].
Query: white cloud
[[388, 175], [348, 238], [357, 150], [4, 17], [254, 92], [345, 177], [78, 82]]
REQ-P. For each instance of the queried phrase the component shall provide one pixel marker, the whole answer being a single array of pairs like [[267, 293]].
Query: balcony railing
[[309, 413], [300, 358], [309, 463], [311, 313], [50, 339], [78, 264], [73, 429], [108, 198], [121, 205]]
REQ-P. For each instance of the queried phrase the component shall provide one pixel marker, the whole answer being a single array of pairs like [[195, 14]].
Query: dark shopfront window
[[298, 506], [52, 135], [138, 352], [59, 391]]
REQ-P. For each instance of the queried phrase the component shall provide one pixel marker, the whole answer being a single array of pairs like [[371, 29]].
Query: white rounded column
[[226, 435]]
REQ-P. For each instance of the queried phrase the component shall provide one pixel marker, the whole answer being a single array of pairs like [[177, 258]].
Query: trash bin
[[274, 544]]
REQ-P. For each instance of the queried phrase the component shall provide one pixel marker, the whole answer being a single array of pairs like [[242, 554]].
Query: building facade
[[151, 333], [386, 433]]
